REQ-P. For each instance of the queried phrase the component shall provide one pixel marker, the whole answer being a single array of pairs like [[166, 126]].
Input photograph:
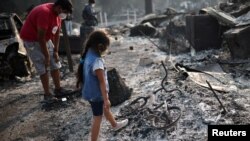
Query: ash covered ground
[[23, 117]]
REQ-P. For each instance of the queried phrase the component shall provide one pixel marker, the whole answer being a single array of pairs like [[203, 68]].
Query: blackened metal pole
[[215, 95], [67, 46]]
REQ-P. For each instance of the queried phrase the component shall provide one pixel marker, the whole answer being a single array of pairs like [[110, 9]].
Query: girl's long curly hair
[[95, 40]]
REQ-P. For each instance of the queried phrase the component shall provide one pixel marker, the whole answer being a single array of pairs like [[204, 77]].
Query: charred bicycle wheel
[[158, 117]]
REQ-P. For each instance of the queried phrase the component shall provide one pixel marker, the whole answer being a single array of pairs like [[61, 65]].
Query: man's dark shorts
[[97, 108]]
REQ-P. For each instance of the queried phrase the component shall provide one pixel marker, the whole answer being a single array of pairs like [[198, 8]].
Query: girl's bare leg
[[95, 127], [109, 116]]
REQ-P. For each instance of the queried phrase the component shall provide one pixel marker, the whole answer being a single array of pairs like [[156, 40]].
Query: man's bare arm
[[56, 40], [42, 42]]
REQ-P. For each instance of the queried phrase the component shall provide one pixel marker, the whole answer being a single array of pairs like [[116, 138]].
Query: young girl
[[92, 79]]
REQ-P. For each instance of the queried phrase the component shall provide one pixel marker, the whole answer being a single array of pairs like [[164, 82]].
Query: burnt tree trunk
[[118, 91], [148, 6]]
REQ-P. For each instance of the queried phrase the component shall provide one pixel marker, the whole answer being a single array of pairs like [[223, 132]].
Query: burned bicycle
[[158, 116], [155, 115]]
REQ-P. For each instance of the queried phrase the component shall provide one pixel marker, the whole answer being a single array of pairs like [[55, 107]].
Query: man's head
[[91, 1], [62, 8], [64, 5]]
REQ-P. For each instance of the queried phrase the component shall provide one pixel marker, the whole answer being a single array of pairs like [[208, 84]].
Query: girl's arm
[[101, 78]]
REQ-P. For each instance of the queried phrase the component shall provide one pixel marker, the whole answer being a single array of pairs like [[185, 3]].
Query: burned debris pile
[[210, 70], [221, 24], [225, 24]]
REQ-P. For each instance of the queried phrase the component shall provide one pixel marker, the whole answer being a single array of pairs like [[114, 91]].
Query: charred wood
[[118, 92]]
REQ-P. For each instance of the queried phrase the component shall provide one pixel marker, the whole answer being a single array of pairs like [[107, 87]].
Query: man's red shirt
[[43, 17]]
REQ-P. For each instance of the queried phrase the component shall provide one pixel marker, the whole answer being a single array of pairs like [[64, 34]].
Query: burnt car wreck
[[13, 58]]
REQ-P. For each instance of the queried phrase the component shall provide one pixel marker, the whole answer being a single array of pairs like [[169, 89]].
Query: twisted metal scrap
[[163, 80], [164, 117], [157, 117]]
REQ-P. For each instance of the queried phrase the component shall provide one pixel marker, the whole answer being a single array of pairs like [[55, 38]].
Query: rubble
[[145, 61], [146, 29], [225, 27], [173, 37], [157, 20], [176, 93], [197, 25], [71, 120], [212, 73], [238, 42], [222, 17]]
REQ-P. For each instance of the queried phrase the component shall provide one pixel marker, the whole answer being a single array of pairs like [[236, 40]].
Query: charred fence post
[[67, 47]]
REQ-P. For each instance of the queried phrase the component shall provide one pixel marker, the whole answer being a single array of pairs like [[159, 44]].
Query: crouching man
[[40, 34]]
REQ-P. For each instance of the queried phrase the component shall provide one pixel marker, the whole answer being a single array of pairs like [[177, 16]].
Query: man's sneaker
[[121, 124], [50, 98], [61, 92]]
